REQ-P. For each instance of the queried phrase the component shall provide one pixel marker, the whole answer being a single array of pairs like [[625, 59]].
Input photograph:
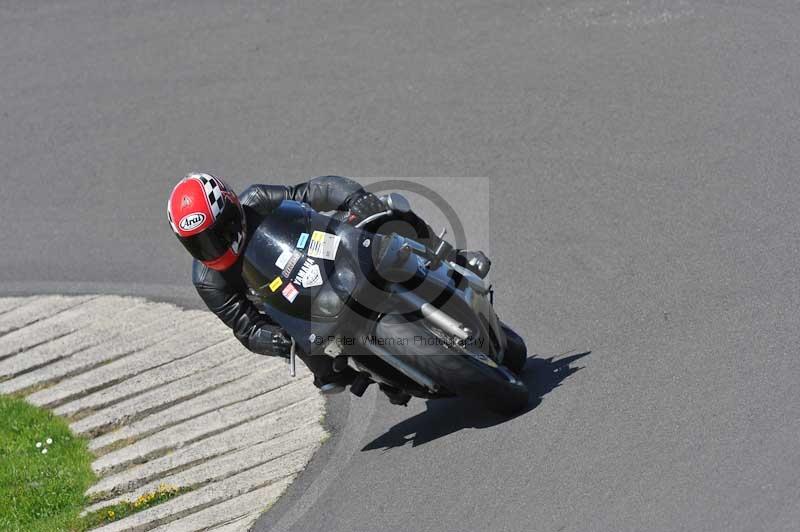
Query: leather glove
[[271, 342], [364, 206]]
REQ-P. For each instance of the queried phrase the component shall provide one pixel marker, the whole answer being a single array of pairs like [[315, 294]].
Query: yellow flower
[[111, 514]]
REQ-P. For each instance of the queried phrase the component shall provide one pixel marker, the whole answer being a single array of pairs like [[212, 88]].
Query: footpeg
[[396, 397]]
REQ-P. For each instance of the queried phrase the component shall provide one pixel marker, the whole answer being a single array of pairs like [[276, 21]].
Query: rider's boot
[[335, 382], [328, 377], [396, 397]]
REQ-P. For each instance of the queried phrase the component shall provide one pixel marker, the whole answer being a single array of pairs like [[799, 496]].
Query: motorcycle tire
[[516, 352], [459, 370]]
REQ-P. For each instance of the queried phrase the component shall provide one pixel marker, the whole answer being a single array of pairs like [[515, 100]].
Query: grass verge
[[45, 471]]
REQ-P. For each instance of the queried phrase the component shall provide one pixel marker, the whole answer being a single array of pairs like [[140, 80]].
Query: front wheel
[[516, 354], [461, 371], [477, 377]]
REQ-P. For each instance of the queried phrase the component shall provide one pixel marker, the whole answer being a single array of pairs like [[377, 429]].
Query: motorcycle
[[396, 311]]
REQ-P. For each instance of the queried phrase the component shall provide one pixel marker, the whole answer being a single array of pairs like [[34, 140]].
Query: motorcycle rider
[[214, 225]]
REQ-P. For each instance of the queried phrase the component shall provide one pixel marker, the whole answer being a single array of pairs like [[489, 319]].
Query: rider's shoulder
[[250, 195], [200, 273], [208, 278], [262, 198]]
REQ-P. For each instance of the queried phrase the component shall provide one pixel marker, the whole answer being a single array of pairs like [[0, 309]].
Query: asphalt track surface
[[644, 158]]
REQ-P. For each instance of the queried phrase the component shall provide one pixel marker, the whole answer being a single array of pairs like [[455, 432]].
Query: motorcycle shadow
[[446, 416]]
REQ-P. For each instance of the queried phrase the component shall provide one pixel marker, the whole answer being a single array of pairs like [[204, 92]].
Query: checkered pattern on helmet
[[213, 189]]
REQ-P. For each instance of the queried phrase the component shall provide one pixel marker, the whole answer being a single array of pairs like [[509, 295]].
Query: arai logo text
[[192, 221]]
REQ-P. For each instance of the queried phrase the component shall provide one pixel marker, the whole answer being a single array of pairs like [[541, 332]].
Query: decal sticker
[[366, 242], [287, 270], [309, 274], [301, 242], [275, 284], [323, 245], [290, 292], [283, 259], [192, 221]]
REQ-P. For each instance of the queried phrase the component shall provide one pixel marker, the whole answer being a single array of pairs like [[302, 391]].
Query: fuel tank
[[302, 267]]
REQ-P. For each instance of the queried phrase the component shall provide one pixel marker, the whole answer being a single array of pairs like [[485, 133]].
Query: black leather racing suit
[[225, 292]]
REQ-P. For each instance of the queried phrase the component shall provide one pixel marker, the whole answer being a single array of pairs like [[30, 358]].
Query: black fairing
[[358, 291], [315, 309]]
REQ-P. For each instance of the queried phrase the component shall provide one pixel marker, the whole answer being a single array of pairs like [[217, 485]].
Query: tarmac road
[[644, 157]]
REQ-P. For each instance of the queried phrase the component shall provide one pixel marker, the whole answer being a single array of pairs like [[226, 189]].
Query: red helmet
[[208, 219]]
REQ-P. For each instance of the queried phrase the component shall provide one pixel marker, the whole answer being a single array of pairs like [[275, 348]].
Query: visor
[[206, 246], [214, 242]]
